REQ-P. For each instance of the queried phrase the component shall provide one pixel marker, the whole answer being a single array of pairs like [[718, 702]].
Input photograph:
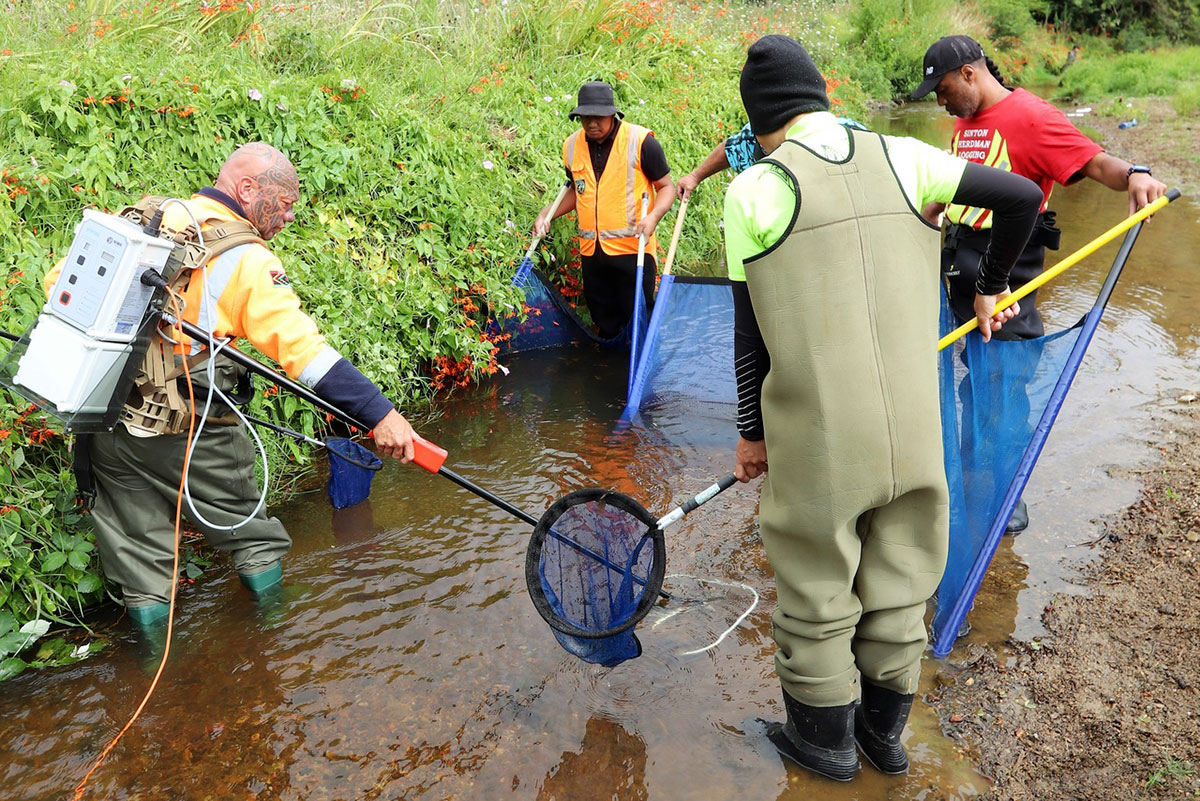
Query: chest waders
[[854, 510], [137, 477]]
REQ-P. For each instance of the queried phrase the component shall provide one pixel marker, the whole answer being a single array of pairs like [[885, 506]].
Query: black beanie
[[779, 81]]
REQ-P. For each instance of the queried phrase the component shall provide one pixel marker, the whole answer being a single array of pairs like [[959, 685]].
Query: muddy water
[[406, 661]]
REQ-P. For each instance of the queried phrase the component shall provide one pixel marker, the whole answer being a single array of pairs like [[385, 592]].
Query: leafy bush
[[894, 35], [1174, 21]]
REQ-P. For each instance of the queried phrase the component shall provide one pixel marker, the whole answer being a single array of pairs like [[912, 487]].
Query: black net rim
[[654, 580], [343, 449]]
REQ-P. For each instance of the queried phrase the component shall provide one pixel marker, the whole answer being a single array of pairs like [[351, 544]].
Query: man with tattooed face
[[242, 292]]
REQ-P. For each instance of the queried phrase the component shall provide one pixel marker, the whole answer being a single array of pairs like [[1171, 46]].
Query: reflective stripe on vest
[[601, 217], [216, 277]]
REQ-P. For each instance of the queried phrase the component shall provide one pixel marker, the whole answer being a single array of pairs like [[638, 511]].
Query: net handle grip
[[427, 455], [702, 498], [562, 192]]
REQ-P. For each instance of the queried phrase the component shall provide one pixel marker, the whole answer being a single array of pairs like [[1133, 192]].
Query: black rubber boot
[[1019, 520], [878, 722], [820, 739]]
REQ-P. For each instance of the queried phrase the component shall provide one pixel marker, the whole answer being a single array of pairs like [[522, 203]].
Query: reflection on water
[[406, 661]]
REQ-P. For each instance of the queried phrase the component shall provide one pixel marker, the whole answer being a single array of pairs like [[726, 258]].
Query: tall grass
[[1161, 73]]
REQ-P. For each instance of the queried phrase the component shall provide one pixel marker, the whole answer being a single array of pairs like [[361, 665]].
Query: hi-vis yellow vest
[[609, 212]]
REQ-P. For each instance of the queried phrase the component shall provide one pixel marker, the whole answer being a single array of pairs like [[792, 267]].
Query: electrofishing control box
[[80, 348], [99, 290], [73, 372]]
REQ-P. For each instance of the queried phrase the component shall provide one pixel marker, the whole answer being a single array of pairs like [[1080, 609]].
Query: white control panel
[[99, 290]]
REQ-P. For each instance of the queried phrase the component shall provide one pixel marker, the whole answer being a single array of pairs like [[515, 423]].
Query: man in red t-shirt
[[1017, 131]]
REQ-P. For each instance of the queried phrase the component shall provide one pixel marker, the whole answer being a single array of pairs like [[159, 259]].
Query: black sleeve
[[1014, 201], [654, 160], [349, 390], [751, 362], [570, 176]]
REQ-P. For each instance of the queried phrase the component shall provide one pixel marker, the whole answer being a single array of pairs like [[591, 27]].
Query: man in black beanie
[[836, 325]]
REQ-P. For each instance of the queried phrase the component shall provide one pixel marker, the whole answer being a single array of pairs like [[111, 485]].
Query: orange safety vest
[[609, 212]]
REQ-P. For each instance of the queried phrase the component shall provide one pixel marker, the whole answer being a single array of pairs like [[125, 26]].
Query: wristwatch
[[1136, 168]]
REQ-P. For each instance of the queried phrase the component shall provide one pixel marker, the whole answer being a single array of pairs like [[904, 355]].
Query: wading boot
[[818, 738], [1019, 520], [148, 616], [878, 722], [263, 582]]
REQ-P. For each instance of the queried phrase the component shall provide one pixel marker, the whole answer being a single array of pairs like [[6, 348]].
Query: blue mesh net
[[688, 347], [990, 412], [351, 468], [993, 397], [550, 321], [594, 569]]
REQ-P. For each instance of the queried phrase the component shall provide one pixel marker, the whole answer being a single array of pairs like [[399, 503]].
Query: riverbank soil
[[1163, 139], [1108, 705]]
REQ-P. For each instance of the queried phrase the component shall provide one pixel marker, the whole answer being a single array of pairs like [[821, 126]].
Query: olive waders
[[854, 511], [137, 483]]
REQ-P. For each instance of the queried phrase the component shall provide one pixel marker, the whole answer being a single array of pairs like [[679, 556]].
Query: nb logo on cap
[[929, 70]]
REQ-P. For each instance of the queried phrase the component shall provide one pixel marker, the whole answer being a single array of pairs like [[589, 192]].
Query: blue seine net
[[687, 352], [594, 568], [550, 322], [993, 395], [351, 468]]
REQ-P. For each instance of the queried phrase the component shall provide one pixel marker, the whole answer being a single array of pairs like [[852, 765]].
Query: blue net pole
[[526, 265], [639, 301], [646, 361], [944, 634]]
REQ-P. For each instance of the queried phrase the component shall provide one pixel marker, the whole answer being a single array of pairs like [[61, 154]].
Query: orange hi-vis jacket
[[248, 296], [609, 212]]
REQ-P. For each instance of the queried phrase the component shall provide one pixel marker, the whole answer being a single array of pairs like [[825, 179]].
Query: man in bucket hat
[[835, 285], [610, 164], [1016, 131]]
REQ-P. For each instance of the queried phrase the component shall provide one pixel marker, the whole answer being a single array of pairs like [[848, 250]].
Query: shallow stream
[[406, 661]]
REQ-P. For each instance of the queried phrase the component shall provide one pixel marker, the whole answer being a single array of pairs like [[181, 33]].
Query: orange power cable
[[79, 788]]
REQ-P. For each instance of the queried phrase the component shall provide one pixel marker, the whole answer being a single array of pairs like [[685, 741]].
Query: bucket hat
[[595, 100]]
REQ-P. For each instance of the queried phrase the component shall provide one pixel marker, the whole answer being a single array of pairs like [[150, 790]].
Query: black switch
[[101, 271], [72, 279], [80, 260]]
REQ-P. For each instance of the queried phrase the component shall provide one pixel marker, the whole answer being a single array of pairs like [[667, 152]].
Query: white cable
[[736, 623], [209, 322]]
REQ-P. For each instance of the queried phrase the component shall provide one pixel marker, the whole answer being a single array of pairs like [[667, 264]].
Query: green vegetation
[[427, 135], [1134, 24], [1171, 769], [1162, 73]]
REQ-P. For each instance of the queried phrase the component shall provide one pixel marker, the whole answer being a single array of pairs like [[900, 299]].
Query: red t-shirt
[[1026, 135]]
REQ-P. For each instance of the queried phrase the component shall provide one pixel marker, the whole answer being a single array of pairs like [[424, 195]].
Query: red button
[[64, 298]]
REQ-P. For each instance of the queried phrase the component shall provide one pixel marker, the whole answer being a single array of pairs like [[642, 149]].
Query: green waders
[[854, 510], [137, 481]]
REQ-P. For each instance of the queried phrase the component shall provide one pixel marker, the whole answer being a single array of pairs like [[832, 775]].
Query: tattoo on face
[[277, 189]]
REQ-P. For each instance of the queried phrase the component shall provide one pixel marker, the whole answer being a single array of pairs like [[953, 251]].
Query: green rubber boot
[[264, 581], [148, 616]]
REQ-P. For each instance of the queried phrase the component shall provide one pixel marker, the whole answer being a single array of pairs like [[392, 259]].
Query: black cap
[[946, 54], [779, 81], [595, 100]]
